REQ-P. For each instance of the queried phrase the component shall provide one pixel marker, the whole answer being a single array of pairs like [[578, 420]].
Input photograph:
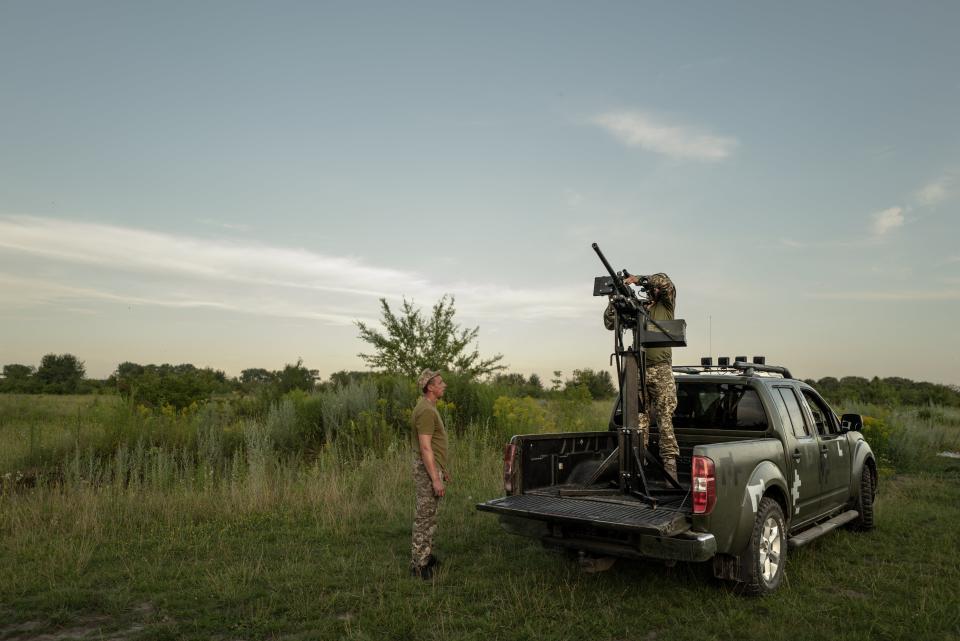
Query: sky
[[234, 184]]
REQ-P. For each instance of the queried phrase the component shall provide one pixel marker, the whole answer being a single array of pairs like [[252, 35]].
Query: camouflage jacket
[[660, 308]]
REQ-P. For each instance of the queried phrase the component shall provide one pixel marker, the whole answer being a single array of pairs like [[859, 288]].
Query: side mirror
[[851, 423]]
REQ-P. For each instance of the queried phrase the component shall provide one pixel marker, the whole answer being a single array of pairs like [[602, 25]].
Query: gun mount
[[630, 315]]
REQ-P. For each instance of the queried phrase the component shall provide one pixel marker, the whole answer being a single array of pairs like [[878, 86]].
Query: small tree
[[16, 372], [412, 342], [175, 385], [599, 384], [535, 383], [60, 373], [343, 378], [257, 376], [519, 385], [297, 376], [556, 381], [18, 378]]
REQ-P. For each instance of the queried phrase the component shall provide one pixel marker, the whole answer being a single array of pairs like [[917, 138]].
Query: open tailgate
[[597, 512]]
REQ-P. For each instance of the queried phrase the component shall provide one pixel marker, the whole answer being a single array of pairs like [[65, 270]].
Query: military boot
[[424, 572], [670, 467]]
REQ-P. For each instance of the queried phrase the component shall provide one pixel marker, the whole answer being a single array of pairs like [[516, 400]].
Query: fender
[[861, 453], [731, 521], [765, 476]]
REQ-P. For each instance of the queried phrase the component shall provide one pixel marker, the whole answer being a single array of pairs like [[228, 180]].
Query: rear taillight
[[509, 453], [703, 485]]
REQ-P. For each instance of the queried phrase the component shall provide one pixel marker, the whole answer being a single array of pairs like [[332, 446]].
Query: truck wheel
[[766, 555], [865, 502]]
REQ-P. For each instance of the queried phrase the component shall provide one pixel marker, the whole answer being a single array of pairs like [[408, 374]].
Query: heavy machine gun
[[630, 315]]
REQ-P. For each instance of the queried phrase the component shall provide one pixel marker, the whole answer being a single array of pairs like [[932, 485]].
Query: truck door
[[802, 455], [834, 452]]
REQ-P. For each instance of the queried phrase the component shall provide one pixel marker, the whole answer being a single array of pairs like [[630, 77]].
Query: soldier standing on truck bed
[[661, 388], [429, 471]]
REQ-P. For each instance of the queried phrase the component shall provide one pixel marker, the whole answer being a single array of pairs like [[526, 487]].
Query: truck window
[[702, 405], [790, 412], [822, 416]]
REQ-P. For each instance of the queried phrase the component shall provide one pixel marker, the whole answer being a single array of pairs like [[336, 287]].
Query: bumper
[[701, 547], [685, 546]]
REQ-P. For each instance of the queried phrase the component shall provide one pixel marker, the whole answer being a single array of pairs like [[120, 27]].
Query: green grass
[[48, 435], [276, 546]]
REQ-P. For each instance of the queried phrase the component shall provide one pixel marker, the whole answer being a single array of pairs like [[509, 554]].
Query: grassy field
[[270, 546]]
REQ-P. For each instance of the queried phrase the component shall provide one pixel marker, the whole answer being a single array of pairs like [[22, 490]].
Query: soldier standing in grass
[[429, 470], [661, 388]]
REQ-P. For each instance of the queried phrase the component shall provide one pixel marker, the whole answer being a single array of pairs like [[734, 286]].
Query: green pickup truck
[[765, 465]]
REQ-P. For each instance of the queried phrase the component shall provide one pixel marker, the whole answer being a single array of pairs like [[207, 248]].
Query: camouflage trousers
[[662, 395], [425, 518]]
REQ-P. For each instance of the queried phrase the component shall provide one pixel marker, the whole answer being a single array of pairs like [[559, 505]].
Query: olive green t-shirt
[[426, 420], [661, 310]]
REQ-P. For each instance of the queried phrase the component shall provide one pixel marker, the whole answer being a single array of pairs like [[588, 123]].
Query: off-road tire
[[765, 558], [864, 522]]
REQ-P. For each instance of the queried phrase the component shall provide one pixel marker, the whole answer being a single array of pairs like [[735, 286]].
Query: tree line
[[409, 342], [181, 385], [890, 391]]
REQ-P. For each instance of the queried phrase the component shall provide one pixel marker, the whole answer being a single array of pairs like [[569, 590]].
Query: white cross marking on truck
[[796, 492]]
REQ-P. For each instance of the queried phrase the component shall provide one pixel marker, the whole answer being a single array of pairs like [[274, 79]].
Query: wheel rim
[[771, 541]]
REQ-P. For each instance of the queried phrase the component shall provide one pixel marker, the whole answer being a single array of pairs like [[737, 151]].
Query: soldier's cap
[[425, 377]]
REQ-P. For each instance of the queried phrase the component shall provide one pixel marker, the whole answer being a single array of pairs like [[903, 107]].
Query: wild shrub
[[877, 433], [520, 416], [341, 409], [282, 426], [571, 408]]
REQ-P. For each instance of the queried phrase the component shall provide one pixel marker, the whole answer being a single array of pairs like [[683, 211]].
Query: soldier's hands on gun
[[642, 281]]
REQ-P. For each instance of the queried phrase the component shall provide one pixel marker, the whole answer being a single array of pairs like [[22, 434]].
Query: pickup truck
[[766, 465]]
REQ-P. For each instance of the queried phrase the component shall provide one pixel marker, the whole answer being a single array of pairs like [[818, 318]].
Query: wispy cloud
[[793, 243], [886, 220], [225, 225], [109, 263], [131, 249], [636, 129], [935, 192], [885, 151], [572, 198]]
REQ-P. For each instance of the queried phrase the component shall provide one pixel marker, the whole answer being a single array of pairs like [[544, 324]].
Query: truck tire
[[766, 555], [864, 522]]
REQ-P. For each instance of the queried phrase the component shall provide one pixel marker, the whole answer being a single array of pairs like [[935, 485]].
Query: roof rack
[[739, 367]]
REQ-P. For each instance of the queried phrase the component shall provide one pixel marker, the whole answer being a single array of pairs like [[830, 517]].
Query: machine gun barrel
[[621, 288]]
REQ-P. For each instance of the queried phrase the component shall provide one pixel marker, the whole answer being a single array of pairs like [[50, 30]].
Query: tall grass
[[910, 438], [103, 440]]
